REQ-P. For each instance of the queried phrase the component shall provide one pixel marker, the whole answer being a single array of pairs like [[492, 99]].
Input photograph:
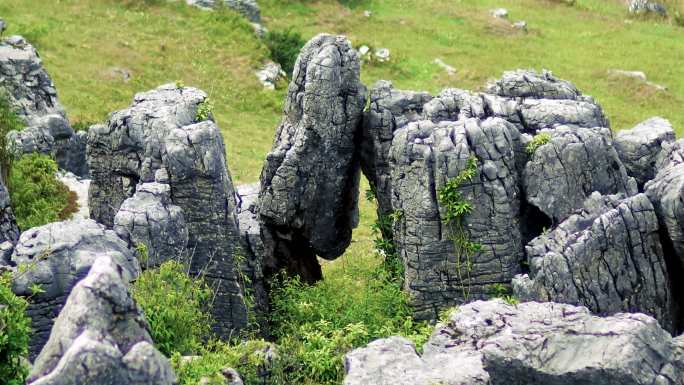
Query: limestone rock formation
[[424, 157], [640, 147], [55, 257], [607, 257], [646, 6], [253, 251], [149, 218], [101, 336], [493, 343], [575, 162], [9, 231], [248, 8], [159, 138], [32, 93], [532, 101], [666, 191], [309, 183]]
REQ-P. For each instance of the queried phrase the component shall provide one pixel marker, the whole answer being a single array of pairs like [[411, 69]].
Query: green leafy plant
[[499, 290], [37, 196], [8, 121], [15, 329], [539, 140], [176, 307], [456, 207], [204, 110], [284, 47]]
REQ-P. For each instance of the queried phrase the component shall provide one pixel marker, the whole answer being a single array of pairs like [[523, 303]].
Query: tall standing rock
[[424, 157], [606, 257], [159, 138], [9, 231], [55, 257], [309, 183]]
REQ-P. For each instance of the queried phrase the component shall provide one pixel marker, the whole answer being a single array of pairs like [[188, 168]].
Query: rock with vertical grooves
[[149, 218], [424, 156], [494, 343], [666, 191], [101, 336], [389, 110], [640, 147], [55, 257], [575, 162], [309, 183], [31, 92], [9, 231], [532, 101], [607, 257], [253, 251], [158, 138]]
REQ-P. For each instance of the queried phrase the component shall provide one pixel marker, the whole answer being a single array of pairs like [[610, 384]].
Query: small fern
[[539, 140]]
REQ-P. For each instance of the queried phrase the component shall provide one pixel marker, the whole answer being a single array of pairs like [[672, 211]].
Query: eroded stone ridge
[[575, 162], [607, 257], [34, 97], [309, 183], [55, 257], [149, 218], [101, 336], [424, 156], [158, 138], [9, 231], [493, 343], [639, 147]]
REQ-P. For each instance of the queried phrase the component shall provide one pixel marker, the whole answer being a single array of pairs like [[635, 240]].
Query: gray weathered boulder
[[646, 6], [493, 343], [253, 251], [159, 138], [607, 257], [9, 231], [101, 336], [666, 191], [424, 157], [149, 218], [575, 162], [247, 8], [56, 256], [530, 100], [309, 183], [640, 147], [32, 93]]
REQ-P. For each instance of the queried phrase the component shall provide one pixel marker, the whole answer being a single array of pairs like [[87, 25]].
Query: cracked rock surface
[[149, 218], [309, 183], [56, 256], [158, 139], [640, 147], [494, 343], [666, 191], [607, 257], [575, 162], [32, 93], [101, 336], [532, 101], [424, 156], [253, 251], [9, 231]]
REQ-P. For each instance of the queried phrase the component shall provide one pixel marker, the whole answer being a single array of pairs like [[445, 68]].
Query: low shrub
[[176, 307], [37, 196], [284, 47], [15, 328]]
